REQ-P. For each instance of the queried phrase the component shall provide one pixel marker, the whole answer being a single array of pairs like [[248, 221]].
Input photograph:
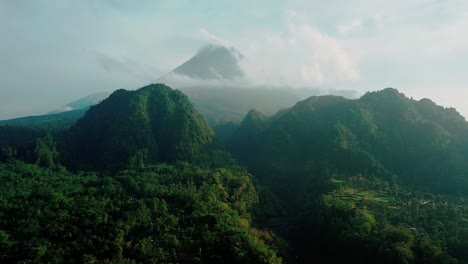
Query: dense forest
[[378, 179], [162, 213], [147, 207], [142, 178]]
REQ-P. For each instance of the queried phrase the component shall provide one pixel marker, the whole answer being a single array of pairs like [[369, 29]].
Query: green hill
[[383, 134], [156, 190], [149, 125], [381, 179]]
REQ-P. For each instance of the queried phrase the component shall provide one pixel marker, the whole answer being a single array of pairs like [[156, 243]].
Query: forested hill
[[383, 134], [381, 179], [155, 190], [149, 125]]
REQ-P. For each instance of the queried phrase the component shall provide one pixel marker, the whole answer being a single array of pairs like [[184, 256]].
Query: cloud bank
[[302, 56], [275, 60]]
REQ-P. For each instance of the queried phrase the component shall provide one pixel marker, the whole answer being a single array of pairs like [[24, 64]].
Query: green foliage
[[379, 178], [15, 135], [163, 213], [380, 135], [375, 224], [46, 152], [150, 125]]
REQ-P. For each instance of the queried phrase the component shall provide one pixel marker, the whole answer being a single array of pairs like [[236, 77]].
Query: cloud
[[303, 56], [182, 81], [210, 38], [354, 25], [127, 66]]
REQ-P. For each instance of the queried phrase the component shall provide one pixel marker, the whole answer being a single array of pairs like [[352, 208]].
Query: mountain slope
[[149, 125], [212, 62], [382, 179], [383, 134]]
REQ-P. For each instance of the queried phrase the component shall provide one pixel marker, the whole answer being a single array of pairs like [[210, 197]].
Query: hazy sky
[[55, 51]]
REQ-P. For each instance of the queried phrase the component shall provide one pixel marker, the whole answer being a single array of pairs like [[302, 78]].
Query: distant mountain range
[[84, 102]]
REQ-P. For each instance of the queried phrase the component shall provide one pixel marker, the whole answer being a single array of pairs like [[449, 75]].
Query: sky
[[53, 52]]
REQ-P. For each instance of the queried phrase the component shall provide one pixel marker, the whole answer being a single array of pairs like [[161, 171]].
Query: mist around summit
[[225, 66]]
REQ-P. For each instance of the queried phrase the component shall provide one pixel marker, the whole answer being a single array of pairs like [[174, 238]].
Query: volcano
[[212, 62]]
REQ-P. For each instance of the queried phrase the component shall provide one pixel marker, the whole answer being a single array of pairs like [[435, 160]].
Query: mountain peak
[[387, 92], [254, 115], [212, 62], [215, 48], [150, 125]]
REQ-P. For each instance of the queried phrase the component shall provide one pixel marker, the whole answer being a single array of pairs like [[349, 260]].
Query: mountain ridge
[[151, 124], [383, 130]]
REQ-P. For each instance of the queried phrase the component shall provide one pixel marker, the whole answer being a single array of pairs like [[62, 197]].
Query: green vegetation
[[142, 179], [150, 125], [140, 203], [371, 222], [383, 135], [378, 179], [15, 136], [163, 213]]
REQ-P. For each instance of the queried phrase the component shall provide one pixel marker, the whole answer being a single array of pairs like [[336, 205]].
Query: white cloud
[[378, 21], [182, 81], [303, 56], [419, 29], [354, 25], [211, 38], [127, 66]]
